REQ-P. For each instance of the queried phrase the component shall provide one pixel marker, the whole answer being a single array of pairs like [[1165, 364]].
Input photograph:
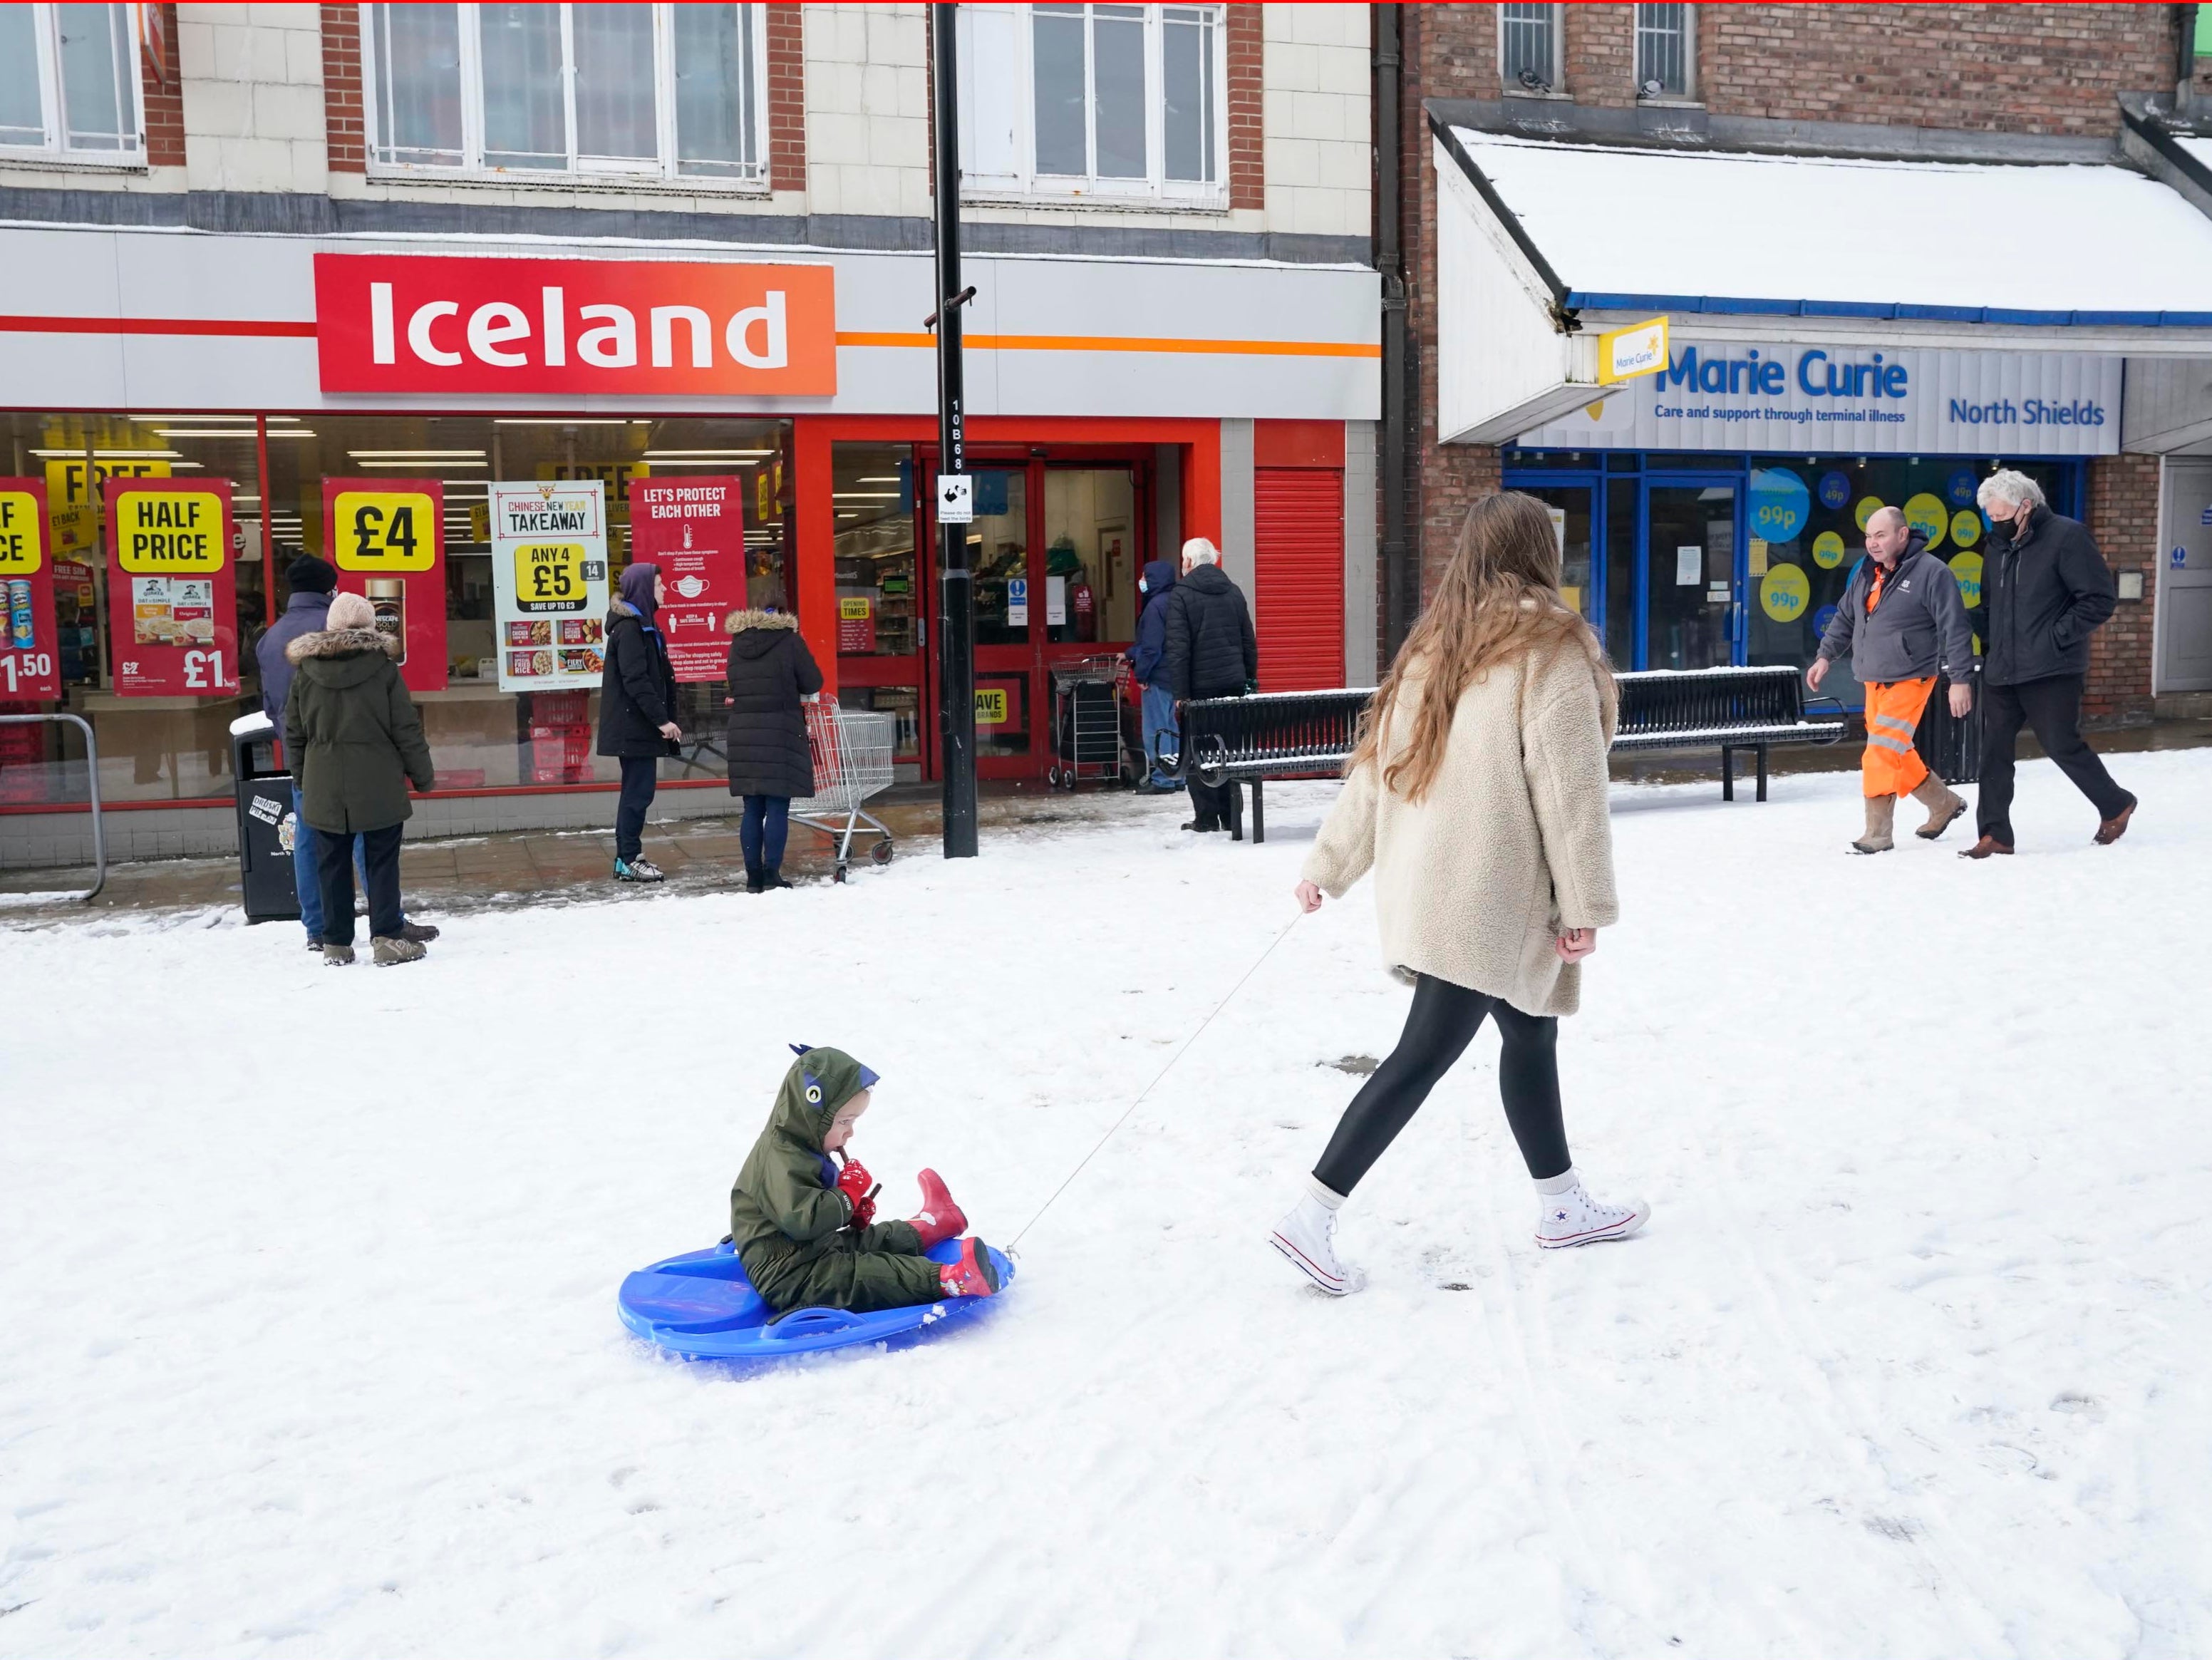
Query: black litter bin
[[266, 824], [1952, 747]]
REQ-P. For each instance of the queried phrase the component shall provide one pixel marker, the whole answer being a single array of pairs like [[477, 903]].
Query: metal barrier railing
[[92, 785]]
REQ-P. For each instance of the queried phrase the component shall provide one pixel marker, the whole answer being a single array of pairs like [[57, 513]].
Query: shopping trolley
[[1088, 739], [853, 753]]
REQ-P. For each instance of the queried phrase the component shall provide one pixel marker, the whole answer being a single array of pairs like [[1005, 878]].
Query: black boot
[[753, 882], [772, 876]]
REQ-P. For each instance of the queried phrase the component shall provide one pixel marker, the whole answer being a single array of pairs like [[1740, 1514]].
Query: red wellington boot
[[973, 1276], [939, 1219]]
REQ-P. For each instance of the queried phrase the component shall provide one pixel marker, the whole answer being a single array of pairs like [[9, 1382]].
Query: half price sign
[[172, 606], [30, 658], [385, 538]]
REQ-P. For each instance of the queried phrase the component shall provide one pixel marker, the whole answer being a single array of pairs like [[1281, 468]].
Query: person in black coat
[[637, 711], [770, 760], [1211, 651], [2046, 589]]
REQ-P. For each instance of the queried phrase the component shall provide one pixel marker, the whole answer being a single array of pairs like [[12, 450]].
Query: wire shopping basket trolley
[[1088, 739], [853, 752]]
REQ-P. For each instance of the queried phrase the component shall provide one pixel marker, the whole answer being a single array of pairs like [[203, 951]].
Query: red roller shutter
[[1298, 530]]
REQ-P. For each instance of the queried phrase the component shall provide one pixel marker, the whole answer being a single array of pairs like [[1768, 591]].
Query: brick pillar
[[1248, 155], [786, 98], [164, 99], [345, 136], [2123, 515]]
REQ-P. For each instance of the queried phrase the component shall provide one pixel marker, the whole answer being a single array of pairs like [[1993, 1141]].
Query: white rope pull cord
[[1280, 936]]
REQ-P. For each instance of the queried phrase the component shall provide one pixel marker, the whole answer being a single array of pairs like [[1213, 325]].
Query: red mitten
[[858, 1186]]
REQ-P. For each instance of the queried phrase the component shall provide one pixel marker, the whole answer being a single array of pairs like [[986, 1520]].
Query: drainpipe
[[1401, 588], [2185, 91]]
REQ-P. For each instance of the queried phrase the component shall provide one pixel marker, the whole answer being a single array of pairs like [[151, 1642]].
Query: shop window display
[[1090, 544], [880, 595]]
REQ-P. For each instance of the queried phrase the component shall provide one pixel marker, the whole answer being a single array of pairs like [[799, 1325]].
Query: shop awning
[[1539, 239]]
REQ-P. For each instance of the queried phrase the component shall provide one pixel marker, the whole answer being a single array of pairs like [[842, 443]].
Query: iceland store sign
[[1834, 399]]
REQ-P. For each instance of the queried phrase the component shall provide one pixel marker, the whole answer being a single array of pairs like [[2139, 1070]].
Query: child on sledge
[[806, 1230]]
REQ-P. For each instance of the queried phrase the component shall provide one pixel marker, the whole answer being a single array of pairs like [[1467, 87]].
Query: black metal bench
[[1278, 734], [1732, 709]]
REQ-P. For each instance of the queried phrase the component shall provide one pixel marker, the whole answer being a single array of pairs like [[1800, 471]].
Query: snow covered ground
[[308, 1287]]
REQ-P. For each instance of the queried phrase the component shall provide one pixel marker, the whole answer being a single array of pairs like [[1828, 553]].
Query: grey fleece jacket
[[1920, 627]]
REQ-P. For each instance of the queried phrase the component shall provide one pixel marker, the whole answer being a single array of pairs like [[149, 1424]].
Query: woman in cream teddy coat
[[1478, 798]]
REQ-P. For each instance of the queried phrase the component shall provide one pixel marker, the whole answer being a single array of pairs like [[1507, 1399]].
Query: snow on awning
[[2001, 257]]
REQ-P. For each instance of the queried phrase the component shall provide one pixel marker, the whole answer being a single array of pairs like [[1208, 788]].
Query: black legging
[[1439, 1026]]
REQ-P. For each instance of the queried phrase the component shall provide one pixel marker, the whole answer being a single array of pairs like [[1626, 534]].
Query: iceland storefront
[[1712, 512], [1838, 337]]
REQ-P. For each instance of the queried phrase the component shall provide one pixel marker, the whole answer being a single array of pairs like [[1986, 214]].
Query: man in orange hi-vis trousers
[[1902, 621]]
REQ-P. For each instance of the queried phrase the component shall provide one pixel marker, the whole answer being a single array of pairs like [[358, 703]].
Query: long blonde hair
[[1497, 604]]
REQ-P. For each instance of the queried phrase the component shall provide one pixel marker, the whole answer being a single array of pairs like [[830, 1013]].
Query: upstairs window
[[69, 82], [1666, 54], [1119, 101], [1528, 48], [644, 91]]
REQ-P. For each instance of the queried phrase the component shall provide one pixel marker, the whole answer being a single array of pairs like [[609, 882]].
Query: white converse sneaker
[[1307, 1235], [1573, 1218]]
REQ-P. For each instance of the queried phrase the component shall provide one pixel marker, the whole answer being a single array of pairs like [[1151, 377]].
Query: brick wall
[[1599, 54], [2123, 515], [165, 101], [1248, 169], [786, 98], [345, 135]]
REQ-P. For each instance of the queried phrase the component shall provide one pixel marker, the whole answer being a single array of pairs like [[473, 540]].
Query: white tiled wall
[[253, 86], [867, 109], [1314, 85]]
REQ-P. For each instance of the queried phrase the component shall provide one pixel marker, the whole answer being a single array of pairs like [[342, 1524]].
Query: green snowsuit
[[788, 1221]]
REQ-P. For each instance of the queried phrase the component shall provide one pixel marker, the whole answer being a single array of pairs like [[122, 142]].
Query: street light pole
[[957, 589]]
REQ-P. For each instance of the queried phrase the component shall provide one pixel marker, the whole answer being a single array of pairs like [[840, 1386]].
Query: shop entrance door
[[1693, 572], [1057, 545], [2184, 581]]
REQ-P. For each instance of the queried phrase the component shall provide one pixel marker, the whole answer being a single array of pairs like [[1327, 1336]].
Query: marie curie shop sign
[[1863, 400]]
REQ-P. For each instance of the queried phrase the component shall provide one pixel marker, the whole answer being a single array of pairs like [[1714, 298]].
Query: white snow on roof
[[2040, 238], [2199, 148]]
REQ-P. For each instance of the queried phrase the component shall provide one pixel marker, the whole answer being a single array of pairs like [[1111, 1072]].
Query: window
[[647, 91], [68, 82], [1108, 101], [1528, 48], [1665, 55]]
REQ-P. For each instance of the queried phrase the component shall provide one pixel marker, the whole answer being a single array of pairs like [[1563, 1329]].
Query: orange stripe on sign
[[1123, 343], [216, 325]]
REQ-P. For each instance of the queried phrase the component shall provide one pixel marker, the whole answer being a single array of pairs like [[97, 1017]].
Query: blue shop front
[[1712, 513]]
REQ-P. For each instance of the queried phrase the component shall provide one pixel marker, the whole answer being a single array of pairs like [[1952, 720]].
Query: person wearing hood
[[637, 711], [307, 611], [1148, 664], [1211, 651], [1901, 619], [805, 1229], [355, 743], [770, 671]]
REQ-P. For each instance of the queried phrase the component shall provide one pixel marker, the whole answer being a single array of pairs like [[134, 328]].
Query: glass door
[[1693, 571], [1005, 552]]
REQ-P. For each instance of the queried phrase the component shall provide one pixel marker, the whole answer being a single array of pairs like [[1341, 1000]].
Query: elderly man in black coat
[[1211, 651], [2046, 589]]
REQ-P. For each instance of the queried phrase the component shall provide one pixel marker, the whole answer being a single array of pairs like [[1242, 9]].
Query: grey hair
[[2012, 488], [1199, 551]]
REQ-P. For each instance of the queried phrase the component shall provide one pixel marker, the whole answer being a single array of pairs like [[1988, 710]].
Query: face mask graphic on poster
[[548, 566]]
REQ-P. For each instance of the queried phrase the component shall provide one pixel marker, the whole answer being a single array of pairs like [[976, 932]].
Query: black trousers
[[1218, 807], [2052, 707], [379, 865], [1439, 1026], [640, 778]]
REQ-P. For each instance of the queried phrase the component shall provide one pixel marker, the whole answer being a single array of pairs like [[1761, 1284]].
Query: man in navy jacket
[[1148, 662]]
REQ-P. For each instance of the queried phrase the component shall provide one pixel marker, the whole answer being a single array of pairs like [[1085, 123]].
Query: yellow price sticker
[[1783, 592], [852, 611], [23, 538], [159, 531], [1869, 505], [549, 576], [1967, 568], [1927, 514], [990, 706], [66, 478], [1966, 528], [386, 530], [1827, 550]]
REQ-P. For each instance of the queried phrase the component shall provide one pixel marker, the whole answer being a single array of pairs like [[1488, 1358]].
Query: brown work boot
[[1881, 820], [1943, 803], [2111, 829], [1985, 849]]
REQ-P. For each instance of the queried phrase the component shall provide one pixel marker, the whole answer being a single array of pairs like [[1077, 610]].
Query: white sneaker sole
[[1629, 1225], [1320, 1276]]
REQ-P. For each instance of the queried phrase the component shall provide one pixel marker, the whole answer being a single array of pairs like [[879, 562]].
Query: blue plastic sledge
[[700, 1305]]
